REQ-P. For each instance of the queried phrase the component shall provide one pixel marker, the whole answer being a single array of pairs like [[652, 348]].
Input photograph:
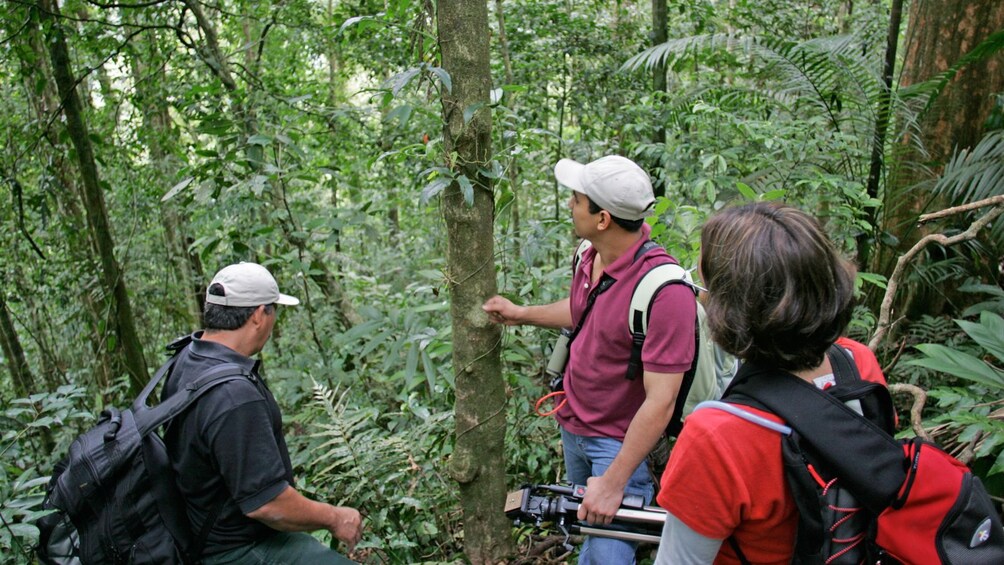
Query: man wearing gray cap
[[228, 450], [610, 419]]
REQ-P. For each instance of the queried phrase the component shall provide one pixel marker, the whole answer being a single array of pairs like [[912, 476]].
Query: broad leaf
[[176, 189], [989, 333], [962, 365]]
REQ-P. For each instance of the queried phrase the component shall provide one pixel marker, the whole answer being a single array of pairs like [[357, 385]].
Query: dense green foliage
[[310, 140]]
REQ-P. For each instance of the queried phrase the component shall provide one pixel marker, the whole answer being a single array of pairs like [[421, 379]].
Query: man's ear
[[605, 220], [258, 317]]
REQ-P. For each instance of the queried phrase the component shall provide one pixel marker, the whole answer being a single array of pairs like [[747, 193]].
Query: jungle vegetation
[[390, 161]]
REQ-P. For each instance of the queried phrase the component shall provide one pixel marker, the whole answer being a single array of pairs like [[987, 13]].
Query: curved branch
[[919, 399], [997, 202]]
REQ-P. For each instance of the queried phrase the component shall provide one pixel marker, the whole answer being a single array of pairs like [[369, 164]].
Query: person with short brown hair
[[778, 295]]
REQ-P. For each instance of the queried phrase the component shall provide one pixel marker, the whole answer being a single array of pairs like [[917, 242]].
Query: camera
[[555, 369]]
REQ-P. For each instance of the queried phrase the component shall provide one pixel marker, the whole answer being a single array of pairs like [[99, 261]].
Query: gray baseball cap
[[616, 184], [247, 284]]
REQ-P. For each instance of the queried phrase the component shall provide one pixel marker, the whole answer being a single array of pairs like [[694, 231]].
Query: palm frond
[[977, 173], [834, 74]]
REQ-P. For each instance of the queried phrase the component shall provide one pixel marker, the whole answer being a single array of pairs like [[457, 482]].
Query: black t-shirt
[[226, 447]]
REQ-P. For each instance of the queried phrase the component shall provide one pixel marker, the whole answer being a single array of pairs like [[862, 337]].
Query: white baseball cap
[[247, 284], [616, 184]]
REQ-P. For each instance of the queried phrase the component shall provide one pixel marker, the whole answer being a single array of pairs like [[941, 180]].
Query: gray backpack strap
[[579, 252]]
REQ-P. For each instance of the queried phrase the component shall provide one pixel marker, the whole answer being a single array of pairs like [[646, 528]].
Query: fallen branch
[[997, 202]]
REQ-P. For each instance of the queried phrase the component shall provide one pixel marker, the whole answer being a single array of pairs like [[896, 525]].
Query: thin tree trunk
[[79, 241], [94, 202], [881, 128], [659, 89], [20, 373], [212, 56], [478, 462]]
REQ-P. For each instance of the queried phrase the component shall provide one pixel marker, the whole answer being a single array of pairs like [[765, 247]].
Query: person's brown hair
[[778, 291]]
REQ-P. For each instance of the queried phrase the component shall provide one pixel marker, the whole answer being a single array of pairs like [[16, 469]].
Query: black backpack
[[115, 497], [862, 495]]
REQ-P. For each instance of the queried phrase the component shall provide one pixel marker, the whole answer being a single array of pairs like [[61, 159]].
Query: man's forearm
[[554, 315], [293, 512], [646, 427]]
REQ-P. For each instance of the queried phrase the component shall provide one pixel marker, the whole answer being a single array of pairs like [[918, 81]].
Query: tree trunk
[[866, 240], [77, 240], [94, 201], [478, 462], [939, 34], [659, 36], [20, 373]]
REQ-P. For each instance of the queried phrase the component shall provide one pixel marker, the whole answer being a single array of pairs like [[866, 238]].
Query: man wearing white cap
[[228, 450], [611, 421]]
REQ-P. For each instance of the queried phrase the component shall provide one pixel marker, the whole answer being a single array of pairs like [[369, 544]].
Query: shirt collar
[[211, 349], [618, 268]]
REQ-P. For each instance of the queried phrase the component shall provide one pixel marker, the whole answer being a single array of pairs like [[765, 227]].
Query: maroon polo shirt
[[601, 400]]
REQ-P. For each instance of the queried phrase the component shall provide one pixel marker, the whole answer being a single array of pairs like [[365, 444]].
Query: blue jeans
[[281, 548], [589, 457]]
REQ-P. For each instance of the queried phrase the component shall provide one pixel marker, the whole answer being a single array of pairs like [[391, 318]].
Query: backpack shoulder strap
[[868, 460], [149, 419], [648, 287], [579, 252]]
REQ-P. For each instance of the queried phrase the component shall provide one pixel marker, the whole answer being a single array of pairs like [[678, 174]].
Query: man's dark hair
[[216, 317], [626, 225], [778, 292]]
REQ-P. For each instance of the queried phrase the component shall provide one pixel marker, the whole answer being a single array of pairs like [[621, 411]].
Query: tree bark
[[478, 462], [659, 36], [20, 373], [866, 240], [94, 201], [939, 34]]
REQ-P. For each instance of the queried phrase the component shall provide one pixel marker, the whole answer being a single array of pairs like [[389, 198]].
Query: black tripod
[[559, 504]]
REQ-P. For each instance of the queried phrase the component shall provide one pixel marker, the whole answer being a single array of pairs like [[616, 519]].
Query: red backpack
[[864, 496]]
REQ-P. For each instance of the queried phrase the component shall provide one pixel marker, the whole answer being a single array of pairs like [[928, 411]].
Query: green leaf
[[351, 22], [401, 113], [873, 278], [433, 189], [467, 189], [444, 77], [259, 139], [402, 79], [989, 333], [176, 189], [471, 110], [998, 466], [962, 365], [747, 192]]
